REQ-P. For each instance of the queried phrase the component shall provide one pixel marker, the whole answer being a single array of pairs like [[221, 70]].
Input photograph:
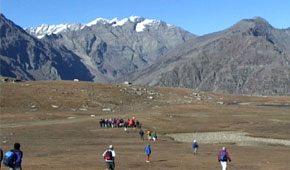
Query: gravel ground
[[239, 138]]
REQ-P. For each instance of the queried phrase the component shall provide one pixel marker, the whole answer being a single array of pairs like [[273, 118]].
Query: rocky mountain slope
[[105, 50], [250, 57], [113, 49], [25, 57]]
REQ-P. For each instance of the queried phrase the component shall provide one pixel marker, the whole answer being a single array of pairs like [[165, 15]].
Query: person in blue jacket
[[147, 151], [195, 147]]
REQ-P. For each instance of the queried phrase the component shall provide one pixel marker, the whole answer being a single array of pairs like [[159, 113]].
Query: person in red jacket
[[223, 158]]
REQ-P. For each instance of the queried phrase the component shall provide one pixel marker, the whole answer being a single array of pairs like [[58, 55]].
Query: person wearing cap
[[195, 147], [109, 156], [223, 158]]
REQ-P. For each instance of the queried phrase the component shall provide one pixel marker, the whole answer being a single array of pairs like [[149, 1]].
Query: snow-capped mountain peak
[[119, 22], [142, 25], [134, 18], [98, 20], [43, 30]]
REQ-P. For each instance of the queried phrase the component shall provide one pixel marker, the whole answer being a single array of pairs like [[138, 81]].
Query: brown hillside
[[57, 124]]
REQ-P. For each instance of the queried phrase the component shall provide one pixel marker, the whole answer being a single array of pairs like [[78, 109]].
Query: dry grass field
[[57, 124]]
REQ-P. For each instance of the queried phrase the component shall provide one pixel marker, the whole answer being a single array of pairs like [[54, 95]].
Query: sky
[[196, 16]]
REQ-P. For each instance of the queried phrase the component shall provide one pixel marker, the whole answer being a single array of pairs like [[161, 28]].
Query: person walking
[[195, 147], [141, 134], [126, 126], [109, 156], [148, 133], [154, 136], [1, 157], [147, 151], [223, 158], [16, 158]]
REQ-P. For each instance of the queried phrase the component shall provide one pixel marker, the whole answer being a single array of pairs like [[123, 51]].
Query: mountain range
[[251, 57]]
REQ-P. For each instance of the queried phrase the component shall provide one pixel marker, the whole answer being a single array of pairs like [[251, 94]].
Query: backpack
[[9, 158], [12, 158], [108, 155], [223, 156]]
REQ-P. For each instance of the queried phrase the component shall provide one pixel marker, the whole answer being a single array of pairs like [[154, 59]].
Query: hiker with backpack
[[109, 156], [13, 158], [147, 151], [195, 147], [1, 157], [223, 158]]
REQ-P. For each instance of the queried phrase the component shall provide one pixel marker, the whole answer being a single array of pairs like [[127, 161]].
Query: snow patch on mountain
[[43, 30], [120, 23], [96, 21], [142, 25]]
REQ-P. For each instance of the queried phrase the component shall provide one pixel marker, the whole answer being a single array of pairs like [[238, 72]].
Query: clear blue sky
[[197, 16]]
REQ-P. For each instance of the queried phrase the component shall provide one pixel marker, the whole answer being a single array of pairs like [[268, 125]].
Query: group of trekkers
[[110, 154], [119, 122], [151, 135], [12, 158]]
